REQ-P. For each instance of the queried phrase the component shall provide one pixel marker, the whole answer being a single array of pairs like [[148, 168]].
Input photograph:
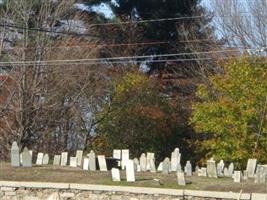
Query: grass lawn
[[76, 175]]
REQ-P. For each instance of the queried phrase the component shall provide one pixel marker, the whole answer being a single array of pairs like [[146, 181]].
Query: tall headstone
[[64, 159], [102, 163], [79, 156], [73, 162], [188, 168], [211, 169], [26, 158], [117, 155], [231, 169], [226, 172], [179, 168], [56, 160], [130, 174], [152, 165], [245, 175], [46, 159], [86, 164], [39, 160], [166, 166], [220, 167], [15, 156], [115, 173], [181, 178], [175, 159], [136, 163], [149, 156], [237, 176], [92, 162], [124, 157], [251, 167], [143, 162]]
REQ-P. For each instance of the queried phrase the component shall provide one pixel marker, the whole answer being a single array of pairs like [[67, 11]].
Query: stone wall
[[41, 191]]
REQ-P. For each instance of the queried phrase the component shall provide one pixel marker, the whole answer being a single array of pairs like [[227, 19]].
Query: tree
[[232, 113]]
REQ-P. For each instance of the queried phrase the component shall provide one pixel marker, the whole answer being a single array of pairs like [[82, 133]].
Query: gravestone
[[26, 158], [202, 171], [138, 168], [115, 173], [211, 169], [220, 167], [73, 162], [79, 156], [231, 170], [261, 174], [124, 157], [181, 178], [149, 156], [159, 169], [196, 169], [46, 159], [152, 165], [226, 172], [56, 160], [39, 160], [175, 159], [166, 166], [188, 168], [136, 163], [179, 168], [130, 174], [64, 159], [15, 156], [92, 162], [251, 167], [102, 163], [245, 175], [117, 155], [86, 164], [237, 176], [143, 162]]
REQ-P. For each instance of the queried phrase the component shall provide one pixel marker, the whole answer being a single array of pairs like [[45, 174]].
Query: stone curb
[[135, 190]]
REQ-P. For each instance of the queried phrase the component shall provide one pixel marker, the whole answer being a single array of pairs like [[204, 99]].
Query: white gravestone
[[152, 165], [46, 159], [202, 171], [231, 170], [73, 162], [251, 167], [143, 162], [92, 162], [115, 173], [136, 163], [188, 168], [86, 164], [56, 160], [149, 157], [159, 169], [102, 163], [211, 169], [124, 157], [64, 159], [40, 157], [237, 176], [130, 175], [15, 156], [117, 155], [26, 158], [175, 159], [166, 166], [220, 167], [226, 172], [181, 178], [79, 156]]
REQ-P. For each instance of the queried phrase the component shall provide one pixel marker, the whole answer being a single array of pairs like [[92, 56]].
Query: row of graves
[[146, 163]]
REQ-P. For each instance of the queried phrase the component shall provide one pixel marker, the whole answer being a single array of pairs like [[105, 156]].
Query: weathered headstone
[[73, 162], [86, 164], [220, 167], [166, 166], [251, 167], [231, 170], [245, 175], [152, 165], [102, 163], [15, 156], [237, 176], [188, 168], [226, 172], [46, 159], [130, 174], [117, 155], [261, 174], [179, 168], [159, 169], [79, 156], [124, 157], [181, 178], [26, 158], [136, 163], [211, 169], [143, 162], [56, 160], [64, 159], [175, 159], [202, 171], [149, 156], [39, 160], [115, 173], [92, 162]]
